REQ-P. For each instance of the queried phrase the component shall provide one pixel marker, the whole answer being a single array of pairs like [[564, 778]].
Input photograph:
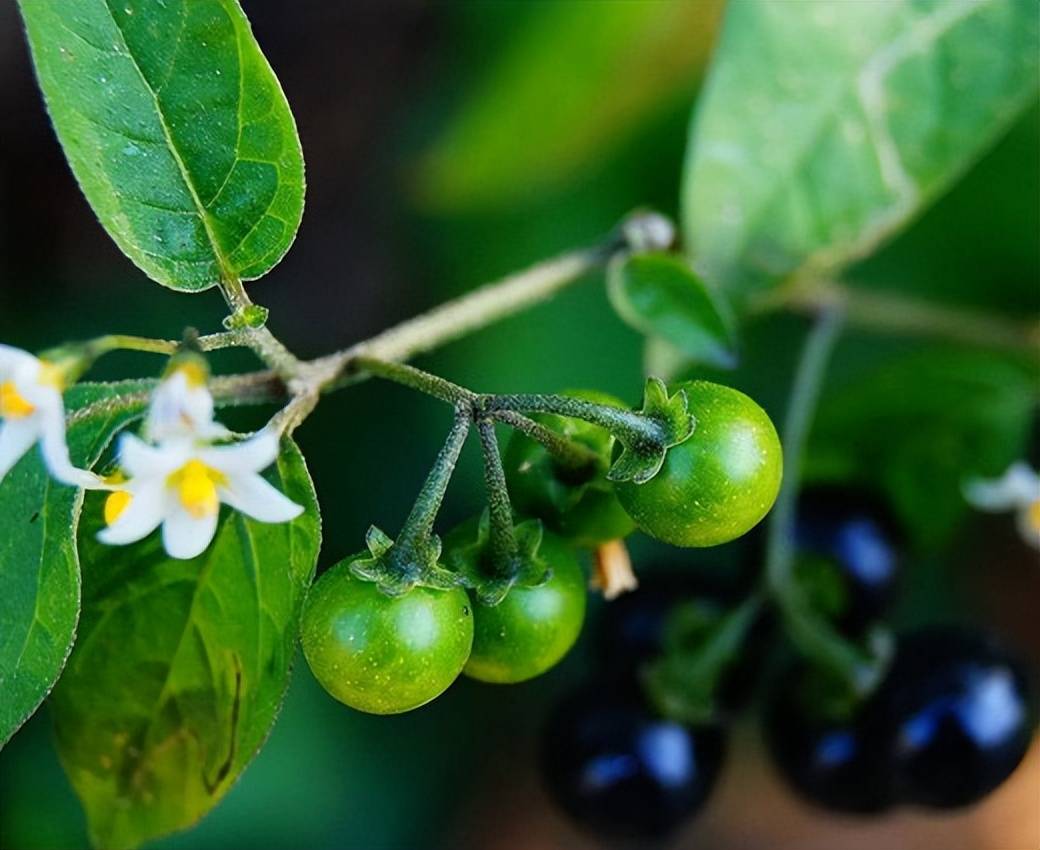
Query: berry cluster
[[501, 598], [950, 720]]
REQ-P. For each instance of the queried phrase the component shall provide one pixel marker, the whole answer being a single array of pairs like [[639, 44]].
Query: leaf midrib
[[223, 266]]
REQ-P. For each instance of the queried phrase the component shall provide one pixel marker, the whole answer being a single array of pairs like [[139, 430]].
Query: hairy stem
[[416, 379], [419, 525], [897, 314], [502, 542], [630, 427], [568, 454]]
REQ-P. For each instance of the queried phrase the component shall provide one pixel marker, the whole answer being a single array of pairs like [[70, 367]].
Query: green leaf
[[177, 131], [920, 426], [825, 127], [39, 570], [572, 84], [181, 666], [660, 296]]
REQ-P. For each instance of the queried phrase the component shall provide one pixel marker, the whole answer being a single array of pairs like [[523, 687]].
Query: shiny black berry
[[638, 627], [834, 757], [960, 715], [851, 541], [623, 773]]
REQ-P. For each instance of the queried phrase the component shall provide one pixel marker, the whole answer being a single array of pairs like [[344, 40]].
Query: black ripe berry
[[623, 773], [833, 756], [959, 712], [850, 533]]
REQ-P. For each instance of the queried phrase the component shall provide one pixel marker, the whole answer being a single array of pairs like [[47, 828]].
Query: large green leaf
[[39, 571], [573, 82], [181, 666], [177, 131], [920, 426], [825, 126], [659, 295]]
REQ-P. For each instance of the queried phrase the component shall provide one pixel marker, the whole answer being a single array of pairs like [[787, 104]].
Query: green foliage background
[[329, 777]]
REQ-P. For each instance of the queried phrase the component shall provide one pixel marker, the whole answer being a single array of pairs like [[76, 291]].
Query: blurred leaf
[[177, 131], [919, 426], [825, 127], [181, 666], [39, 570], [576, 79], [660, 296]]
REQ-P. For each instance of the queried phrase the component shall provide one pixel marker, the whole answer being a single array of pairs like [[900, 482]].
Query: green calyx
[[250, 316], [397, 567], [491, 573], [671, 423]]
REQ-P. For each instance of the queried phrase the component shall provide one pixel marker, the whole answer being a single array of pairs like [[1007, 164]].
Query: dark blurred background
[[396, 221]]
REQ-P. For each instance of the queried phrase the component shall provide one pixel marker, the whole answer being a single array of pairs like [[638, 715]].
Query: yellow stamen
[[196, 486], [1033, 513], [117, 502], [195, 372], [12, 405]]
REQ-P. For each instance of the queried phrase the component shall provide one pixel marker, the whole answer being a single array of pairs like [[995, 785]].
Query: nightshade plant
[[169, 664]]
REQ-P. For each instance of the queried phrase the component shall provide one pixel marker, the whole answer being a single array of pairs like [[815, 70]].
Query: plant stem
[[568, 454], [502, 541], [416, 379], [630, 427], [419, 525], [893, 313], [125, 342], [812, 635]]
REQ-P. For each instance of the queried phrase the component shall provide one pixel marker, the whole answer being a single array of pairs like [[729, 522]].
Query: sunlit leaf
[[573, 83], [39, 571], [825, 127], [177, 131]]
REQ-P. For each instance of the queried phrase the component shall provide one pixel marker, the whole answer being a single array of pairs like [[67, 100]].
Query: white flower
[[182, 406], [1018, 489], [181, 484], [31, 411]]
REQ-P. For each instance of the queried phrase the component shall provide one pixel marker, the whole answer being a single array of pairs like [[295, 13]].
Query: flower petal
[[186, 536], [16, 438], [256, 498], [252, 455], [179, 409], [16, 360], [1018, 486], [55, 449], [140, 518], [141, 460]]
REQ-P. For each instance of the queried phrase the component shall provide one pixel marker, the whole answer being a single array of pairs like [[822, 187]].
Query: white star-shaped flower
[[180, 482], [32, 411], [1018, 489]]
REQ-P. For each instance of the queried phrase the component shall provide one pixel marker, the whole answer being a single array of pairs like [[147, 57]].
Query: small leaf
[[181, 666], [177, 131], [825, 127], [660, 296], [39, 570]]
